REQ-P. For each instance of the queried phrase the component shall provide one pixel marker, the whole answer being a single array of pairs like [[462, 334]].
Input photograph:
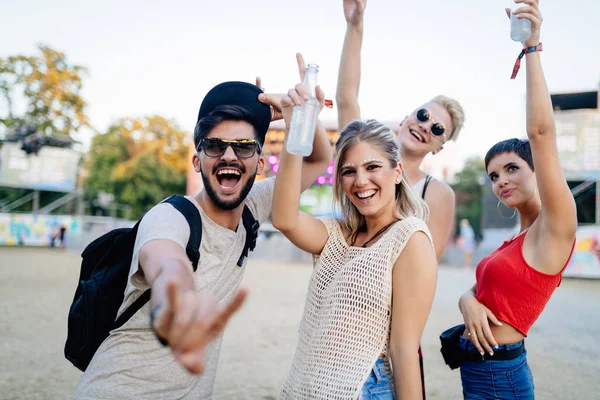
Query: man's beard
[[228, 204]]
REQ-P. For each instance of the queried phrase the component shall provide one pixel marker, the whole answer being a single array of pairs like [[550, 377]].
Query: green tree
[[49, 88], [468, 189], [140, 161]]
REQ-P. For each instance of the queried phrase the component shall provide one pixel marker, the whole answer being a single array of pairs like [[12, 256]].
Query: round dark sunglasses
[[437, 128], [244, 148]]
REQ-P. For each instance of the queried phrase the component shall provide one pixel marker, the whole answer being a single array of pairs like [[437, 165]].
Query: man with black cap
[[188, 310]]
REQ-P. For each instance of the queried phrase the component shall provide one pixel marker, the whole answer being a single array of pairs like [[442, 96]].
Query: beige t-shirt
[[131, 363]]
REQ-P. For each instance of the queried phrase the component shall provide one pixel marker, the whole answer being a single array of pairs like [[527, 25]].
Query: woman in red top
[[515, 282]]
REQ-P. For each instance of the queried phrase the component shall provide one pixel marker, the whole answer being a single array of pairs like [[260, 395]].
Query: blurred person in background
[[467, 241]]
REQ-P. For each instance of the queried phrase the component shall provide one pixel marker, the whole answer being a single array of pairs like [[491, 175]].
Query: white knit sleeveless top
[[346, 321]]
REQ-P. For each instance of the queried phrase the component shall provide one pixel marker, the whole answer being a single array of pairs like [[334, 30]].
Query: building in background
[[578, 128], [52, 168]]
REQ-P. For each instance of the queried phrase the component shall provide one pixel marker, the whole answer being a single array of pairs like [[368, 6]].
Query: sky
[[162, 57]]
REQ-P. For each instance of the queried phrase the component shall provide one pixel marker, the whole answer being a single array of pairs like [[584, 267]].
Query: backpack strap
[[192, 216], [251, 225], [428, 179]]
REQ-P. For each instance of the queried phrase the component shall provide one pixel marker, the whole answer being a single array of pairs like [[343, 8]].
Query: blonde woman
[[425, 130], [373, 284]]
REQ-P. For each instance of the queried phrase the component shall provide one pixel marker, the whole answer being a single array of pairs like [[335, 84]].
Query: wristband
[[526, 50]]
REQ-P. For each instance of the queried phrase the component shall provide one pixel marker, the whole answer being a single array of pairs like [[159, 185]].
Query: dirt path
[[36, 288]]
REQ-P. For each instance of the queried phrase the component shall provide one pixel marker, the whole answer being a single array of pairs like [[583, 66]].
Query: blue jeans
[[496, 379], [379, 384]]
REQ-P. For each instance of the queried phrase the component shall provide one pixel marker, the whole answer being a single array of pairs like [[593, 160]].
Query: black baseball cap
[[241, 94]]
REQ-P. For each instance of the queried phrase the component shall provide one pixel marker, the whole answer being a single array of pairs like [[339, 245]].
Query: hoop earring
[[500, 212]]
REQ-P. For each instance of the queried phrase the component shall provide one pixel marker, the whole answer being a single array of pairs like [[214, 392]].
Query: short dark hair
[[218, 115], [520, 147]]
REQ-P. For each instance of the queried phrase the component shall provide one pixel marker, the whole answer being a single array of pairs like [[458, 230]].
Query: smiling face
[[513, 181], [228, 178], [416, 137], [369, 180]]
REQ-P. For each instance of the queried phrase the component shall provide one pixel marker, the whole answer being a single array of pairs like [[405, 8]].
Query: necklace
[[379, 232]]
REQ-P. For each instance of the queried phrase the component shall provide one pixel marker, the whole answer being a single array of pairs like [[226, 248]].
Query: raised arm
[[322, 154], [349, 72], [305, 231], [314, 165], [413, 287], [558, 218]]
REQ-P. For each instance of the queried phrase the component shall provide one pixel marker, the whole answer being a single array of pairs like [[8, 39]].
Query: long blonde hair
[[373, 132]]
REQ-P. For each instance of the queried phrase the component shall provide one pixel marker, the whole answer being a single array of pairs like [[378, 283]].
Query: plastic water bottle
[[304, 118], [520, 29]]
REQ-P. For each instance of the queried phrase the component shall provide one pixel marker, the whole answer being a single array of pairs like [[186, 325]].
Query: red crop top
[[515, 292]]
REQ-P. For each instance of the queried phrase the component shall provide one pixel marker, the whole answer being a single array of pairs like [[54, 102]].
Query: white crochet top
[[346, 321]]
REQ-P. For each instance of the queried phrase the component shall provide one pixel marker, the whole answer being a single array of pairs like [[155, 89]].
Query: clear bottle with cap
[[304, 118], [520, 29]]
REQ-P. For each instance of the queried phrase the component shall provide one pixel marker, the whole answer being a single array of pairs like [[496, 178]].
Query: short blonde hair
[[457, 114]]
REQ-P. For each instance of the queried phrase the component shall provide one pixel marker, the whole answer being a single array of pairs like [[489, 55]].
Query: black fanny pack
[[451, 351], [454, 355]]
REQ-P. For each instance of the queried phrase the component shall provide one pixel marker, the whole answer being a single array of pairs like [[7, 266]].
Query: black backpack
[[103, 278]]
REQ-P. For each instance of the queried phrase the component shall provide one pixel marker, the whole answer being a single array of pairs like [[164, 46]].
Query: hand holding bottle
[[301, 107], [274, 99], [528, 12]]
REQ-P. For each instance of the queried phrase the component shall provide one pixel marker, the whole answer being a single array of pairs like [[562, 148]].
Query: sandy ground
[[37, 285]]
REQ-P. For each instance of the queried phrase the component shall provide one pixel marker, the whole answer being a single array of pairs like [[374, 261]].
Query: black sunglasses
[[244, 148], [437, 128]]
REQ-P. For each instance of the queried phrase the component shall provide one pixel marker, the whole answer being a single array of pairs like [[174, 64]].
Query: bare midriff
[[505, 334]]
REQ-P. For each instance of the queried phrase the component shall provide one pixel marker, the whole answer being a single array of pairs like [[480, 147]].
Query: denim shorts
[[496, 379], [379, 384]]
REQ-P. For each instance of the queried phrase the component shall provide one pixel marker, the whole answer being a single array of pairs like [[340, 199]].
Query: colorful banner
[[585, 262], [37, 230]]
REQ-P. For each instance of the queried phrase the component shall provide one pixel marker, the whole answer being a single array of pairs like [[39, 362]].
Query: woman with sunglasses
[[374, 281], [515, 282], [422, 132]]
